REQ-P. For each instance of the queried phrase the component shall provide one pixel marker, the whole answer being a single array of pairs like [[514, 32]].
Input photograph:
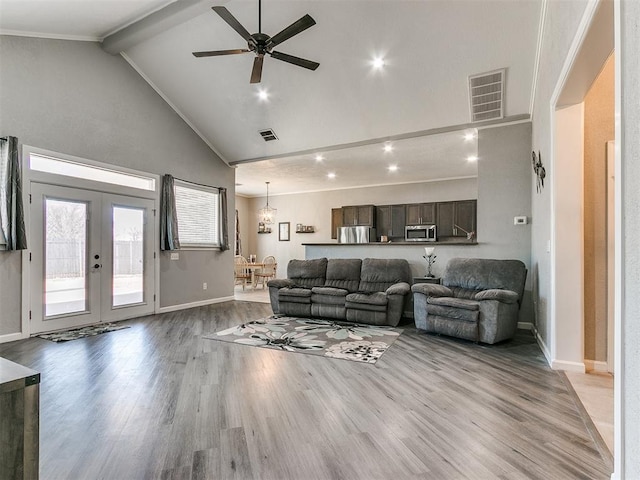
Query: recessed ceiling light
[[319, 158], [388, 147], [393, 168], [331, 175], [377, 63], [472, 158], [263, 95]]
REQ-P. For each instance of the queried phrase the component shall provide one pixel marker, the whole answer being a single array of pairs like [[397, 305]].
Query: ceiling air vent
[[268, 135], [486, 95]]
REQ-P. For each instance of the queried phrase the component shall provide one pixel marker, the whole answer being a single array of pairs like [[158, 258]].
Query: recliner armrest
[[401, 288], [504, 296], [280, 283], [432, 290]]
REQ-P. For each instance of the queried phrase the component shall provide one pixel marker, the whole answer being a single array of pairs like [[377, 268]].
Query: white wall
[[73, 98], [315, 209]]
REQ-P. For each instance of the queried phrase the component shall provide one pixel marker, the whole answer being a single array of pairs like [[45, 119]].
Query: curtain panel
[[11, 208], [224, 221], [168, 216]]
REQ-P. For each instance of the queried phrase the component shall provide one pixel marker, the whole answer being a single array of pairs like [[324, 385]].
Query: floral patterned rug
[[329, 338]]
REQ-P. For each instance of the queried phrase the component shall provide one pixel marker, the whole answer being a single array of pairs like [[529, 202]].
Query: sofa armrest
[[504, 296], [280, 283], [401, 288], [432, 290]]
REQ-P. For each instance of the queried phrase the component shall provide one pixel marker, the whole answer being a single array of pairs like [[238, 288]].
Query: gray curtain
[[224, 221], [238, 243], [168, 216], [11, 209]]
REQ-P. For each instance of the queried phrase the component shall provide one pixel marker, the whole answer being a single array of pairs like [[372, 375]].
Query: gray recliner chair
[[478, 300]]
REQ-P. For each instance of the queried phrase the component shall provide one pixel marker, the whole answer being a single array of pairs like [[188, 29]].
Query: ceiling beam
[[159, 21]]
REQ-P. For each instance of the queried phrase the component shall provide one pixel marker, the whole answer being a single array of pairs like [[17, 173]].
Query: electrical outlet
[[175, 256], [204, 286], [520, 220]]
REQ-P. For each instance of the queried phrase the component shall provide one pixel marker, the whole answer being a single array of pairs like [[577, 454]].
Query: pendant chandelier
[[267, 214]]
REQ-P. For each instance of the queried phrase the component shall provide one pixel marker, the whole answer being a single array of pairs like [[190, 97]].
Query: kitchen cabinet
[[456, 219], [390, 221], [420, 213], [361, 215], [336, 221]]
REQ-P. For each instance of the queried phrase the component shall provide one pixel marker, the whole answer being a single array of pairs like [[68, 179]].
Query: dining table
[[252, 267]]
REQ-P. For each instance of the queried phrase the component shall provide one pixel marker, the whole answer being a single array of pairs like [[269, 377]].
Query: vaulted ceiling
[[345, 110]]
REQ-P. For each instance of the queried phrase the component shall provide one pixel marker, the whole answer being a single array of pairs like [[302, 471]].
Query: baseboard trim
[[596, 366], [542, 345], [12, 337], [568, 366], [201, 303], [525, 325]]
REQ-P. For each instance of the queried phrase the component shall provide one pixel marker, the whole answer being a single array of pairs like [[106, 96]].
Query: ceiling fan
[[262, 44]]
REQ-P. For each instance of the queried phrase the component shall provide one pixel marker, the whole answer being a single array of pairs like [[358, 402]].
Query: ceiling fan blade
[[301, 62], [293, 29], [216, 53], [256, 73], [231, 20]]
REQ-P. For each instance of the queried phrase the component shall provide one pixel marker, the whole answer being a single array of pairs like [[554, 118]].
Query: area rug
[[74, 334], [328, 338]]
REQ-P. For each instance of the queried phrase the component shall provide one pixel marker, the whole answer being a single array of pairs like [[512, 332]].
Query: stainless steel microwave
[[420, 233]]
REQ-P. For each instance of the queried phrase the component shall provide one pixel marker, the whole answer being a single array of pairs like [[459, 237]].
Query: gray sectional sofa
[[370, 291], [478, 300]]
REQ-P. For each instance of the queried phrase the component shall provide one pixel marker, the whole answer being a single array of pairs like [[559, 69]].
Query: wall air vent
[[268, 135], [486, 95]]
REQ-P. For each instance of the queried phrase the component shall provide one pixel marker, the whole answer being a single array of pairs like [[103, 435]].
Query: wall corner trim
[[568, 366]]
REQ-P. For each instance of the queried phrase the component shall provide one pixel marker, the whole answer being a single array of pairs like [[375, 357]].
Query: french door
[[91, 257]]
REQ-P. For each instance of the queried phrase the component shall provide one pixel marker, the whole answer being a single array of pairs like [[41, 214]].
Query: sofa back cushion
[[473, 274], [378, 274], [307, 273], [344, 273]]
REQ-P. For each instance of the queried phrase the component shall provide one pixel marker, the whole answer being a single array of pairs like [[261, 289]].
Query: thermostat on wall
[[519, 220]]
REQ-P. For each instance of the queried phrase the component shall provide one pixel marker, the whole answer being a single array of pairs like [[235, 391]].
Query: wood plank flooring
[[159, 401]]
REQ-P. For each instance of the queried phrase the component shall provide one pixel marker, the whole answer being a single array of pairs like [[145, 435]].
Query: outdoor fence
[[67, 258]]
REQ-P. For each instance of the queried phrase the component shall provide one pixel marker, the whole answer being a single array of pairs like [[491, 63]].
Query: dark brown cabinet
[[456, 219], [420, 213], [361, 215], [390, 221], [336, 221]]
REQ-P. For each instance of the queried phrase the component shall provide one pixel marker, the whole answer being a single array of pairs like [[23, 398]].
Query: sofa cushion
[[465, 293], [375, 298], [344, 273], [294, 294], [307, 273], [331, 291], [454, 302], [378, 274]]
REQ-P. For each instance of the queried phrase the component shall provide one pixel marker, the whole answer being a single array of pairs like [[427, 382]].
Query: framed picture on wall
[[284, 231]]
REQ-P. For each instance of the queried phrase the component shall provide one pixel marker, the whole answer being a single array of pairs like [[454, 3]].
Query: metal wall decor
[[539, 170]]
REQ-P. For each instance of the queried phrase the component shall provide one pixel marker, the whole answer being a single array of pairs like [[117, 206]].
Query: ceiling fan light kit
[[262, 44]]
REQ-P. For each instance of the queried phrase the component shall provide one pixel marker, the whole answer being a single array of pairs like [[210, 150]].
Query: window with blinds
[[197, 209]]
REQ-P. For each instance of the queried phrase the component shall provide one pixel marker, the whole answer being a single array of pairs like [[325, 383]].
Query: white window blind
[[197, 209]]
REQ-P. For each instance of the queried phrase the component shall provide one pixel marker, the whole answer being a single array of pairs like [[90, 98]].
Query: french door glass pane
[[65, 257], [128, 265]]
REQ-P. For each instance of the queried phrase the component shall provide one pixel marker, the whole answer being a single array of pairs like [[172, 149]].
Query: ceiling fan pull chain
[[259, 16]]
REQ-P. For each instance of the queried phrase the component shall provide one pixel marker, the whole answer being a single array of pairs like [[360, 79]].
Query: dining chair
[[267, 271], [241, 273]]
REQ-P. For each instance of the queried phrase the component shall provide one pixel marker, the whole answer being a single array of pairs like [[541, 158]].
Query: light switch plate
[[520, 220], [175, 256]]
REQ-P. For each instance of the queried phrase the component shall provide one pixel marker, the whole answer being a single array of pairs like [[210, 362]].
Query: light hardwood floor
[[159, 401]]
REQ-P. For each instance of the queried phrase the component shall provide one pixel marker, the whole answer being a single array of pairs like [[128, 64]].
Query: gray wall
[[73, 98]]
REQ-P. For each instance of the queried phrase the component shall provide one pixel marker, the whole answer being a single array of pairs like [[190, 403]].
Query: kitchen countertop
[[409, 244]]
